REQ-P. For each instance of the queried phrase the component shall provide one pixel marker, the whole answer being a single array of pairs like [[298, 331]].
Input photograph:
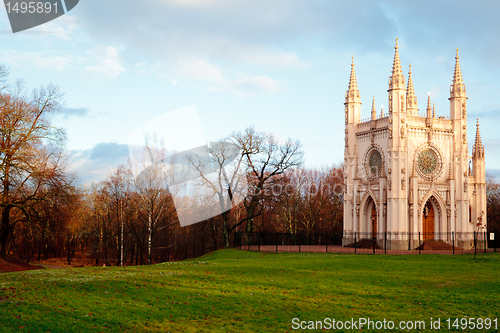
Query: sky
[[280, 66]]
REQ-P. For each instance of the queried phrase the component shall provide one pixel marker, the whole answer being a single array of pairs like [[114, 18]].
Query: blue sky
[[282, 66]]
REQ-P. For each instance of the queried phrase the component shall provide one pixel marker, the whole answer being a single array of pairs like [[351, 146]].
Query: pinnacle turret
[[396, 80], [429, 109], [374, 110], [411, 99], [458, 86], [478, 148], [352, 94]]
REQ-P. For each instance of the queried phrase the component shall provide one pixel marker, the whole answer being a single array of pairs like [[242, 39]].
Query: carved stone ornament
[[464, 137], [464, 110], [390, 133], [402, 131], [465, 186], [403, 184], [389, 183]]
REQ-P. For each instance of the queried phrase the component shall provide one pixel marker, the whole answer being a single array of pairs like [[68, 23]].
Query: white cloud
[[101, 62], [39, 60], [278, 58], [108, 61], [210, 77], [64, 27], [199, 70], [93, 165]]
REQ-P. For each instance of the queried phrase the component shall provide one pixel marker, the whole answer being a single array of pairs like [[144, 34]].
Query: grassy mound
[[12, 264], [239, 291]]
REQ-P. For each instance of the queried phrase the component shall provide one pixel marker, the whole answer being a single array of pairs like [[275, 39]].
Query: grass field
[[238, 291]]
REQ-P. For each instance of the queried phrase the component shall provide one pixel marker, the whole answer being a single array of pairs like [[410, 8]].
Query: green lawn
[[238, 291]]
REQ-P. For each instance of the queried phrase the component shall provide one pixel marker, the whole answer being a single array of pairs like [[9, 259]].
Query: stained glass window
[[375, 163], [427, 161]]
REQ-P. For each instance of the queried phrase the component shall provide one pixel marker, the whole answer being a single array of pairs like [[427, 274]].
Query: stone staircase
[[366, 243], [436, 245]]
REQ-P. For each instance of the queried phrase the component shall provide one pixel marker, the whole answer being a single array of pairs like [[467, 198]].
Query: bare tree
[[222, 178], [118, 184], [152, 185], [265, 159]]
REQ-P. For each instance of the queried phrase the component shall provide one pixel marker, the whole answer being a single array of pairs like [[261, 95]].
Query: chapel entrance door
[[428, 227]]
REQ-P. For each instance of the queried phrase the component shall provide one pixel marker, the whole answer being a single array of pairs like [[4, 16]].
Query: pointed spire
[[396, 80], [353, 84], [374, 110], [458, 86], [478, 148], [411, 99], [433, 110], [457, 75], [352, 94], [429, 110]]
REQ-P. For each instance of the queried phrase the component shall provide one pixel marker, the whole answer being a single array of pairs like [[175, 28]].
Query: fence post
[[203, 242], [355, 243], [326, 244], [419, 245], [194, 241], [185, 243], [373, 242], [276, 239], [258, 237], [485, 243], [453, 241], [475, 245], [385, 242]]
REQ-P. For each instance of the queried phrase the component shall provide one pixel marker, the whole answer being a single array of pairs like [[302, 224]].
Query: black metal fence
[[381, 242]]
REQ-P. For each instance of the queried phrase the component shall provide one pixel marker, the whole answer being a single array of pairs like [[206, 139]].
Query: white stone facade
[[408, 172]]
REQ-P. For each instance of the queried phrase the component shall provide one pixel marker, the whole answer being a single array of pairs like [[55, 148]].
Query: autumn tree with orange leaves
[[30, 151]]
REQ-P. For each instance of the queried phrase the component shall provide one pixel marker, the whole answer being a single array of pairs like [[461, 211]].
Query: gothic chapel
[[408, 176]]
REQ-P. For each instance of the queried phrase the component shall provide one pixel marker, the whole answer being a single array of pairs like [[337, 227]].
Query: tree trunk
[[150, 228], [251, 212], [226, 230], [121, 239], [5, 227], [4, 231]]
